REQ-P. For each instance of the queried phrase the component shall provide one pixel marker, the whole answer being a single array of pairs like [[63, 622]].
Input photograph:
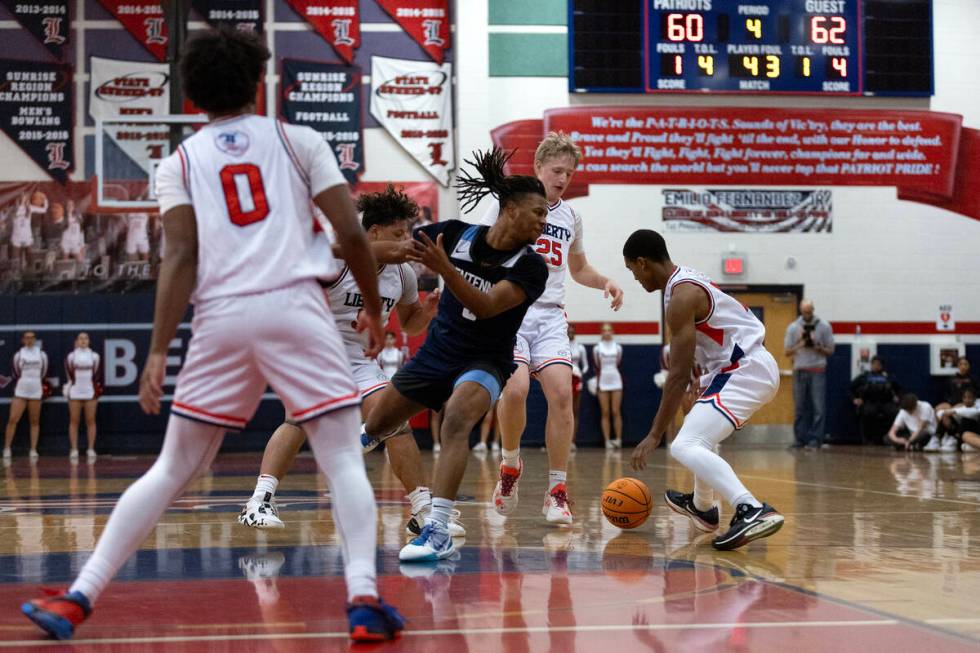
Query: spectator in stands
[[809, 342], [53, 226], [956, 422], [22, 235], [915, 423], [73, 236], [958, 383], [875, 397], [137, 237], [580, 367]]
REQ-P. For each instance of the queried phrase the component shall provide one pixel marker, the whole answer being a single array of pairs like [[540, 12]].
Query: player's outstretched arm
[[178, 274], [336, 204], [504, 296], [583, 273], [685, 304]]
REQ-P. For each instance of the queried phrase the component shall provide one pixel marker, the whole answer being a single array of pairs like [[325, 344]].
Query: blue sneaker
[[370, 442], [58, 615], [433, 543], [373, 620]]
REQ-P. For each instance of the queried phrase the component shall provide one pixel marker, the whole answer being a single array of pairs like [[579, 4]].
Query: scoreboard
[[842, 47]]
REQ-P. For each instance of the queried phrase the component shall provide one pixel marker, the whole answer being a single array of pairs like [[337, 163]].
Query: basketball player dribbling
[[492, 276], [739, 375], [542, 348], [249, 260]]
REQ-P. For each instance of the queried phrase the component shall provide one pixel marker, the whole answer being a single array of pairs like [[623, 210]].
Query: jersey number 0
[[244, 193]]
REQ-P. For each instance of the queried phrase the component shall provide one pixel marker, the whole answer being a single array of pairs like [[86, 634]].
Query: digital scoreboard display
[[842, 47], [790, 46]]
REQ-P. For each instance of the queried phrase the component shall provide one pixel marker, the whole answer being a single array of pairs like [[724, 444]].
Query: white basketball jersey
[[390, 359], [397, 284], [250, 180], [562, 234], [729, 332]]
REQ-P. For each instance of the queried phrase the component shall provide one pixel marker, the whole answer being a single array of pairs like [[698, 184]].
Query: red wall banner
[[929, 156], [143, 19], [337, 21], [426, 21]]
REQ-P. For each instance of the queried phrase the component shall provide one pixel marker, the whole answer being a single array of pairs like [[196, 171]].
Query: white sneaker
[[91, 455], [948, 444], [555, 509], [33, 455], [505, 491], [933, 444], [969, 448], [260, 514], [415, 524], [7, 454], [73, 456], [495, 447], [433, 543], [479, 447], [436, 447], [610, 445], [618, 443]]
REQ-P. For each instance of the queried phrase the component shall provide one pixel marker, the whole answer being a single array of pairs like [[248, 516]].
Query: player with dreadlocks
[[491, 276]]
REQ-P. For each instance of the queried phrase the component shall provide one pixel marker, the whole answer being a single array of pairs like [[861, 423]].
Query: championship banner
[[144, 20], [748, 210], [131, 88], [241, 14], [36, 105], [776, 147], [426, 21], [48, 22], [327, 97], [337, 21], [413, 101]]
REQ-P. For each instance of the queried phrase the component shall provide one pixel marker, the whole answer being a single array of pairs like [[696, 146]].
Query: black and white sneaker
[[683, 504], [261, 513], [749, 523]]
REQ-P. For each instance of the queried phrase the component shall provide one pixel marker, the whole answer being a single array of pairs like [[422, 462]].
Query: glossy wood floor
[[880, 551]]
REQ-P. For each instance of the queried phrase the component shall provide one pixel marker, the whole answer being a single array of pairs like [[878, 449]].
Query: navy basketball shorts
[[429, 379]]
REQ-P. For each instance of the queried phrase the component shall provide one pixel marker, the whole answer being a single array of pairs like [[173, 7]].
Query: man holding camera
[[809, 341]]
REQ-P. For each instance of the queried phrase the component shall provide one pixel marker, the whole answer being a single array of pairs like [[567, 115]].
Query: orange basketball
[[626, 502]]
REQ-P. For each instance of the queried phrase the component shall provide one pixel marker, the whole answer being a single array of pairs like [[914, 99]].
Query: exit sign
[[733, 265]]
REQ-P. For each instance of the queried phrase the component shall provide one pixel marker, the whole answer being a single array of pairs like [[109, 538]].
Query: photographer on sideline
[[809, 341]]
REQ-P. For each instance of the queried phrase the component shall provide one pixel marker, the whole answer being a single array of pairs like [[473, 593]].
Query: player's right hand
[[151, 383], [370, 322]]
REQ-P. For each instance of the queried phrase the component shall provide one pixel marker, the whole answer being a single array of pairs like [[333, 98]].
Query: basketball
[[626, 503]]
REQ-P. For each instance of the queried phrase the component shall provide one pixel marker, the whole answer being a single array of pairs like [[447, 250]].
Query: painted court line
[[462, 631]]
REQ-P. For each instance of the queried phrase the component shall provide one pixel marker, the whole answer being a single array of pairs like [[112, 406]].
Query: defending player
[[249, 260], [386, 217], [542, 347], [492, 276], [739, 374]]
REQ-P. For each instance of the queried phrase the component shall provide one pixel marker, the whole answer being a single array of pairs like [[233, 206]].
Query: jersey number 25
[[244, 193], [546, 246]]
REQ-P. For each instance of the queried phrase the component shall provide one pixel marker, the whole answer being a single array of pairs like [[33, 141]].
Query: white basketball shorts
[[285, 338], [543, 338], [738, 391]]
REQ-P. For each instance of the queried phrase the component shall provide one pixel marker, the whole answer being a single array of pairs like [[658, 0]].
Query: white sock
[[442, 511], [556, 476], [267, 484], [511, 457], [704, 496], [747, 498], [421, 498], [336, 444], [188, 449]]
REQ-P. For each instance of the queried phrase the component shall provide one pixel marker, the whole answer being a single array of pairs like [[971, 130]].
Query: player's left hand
[[370, 323], [612, 289], [433, 256], [647, 446]]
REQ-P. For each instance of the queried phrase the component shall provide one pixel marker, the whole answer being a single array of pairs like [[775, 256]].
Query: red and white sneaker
[[505, 492], [555, 508]]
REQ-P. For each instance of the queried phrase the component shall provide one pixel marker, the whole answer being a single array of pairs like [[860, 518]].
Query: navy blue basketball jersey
[[455, 331]]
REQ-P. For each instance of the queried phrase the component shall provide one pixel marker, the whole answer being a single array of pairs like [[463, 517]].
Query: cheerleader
[[580, 367], [73, 238], [29, 368], [82, 367], [22, 236], [391, 357], [607, 356]]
